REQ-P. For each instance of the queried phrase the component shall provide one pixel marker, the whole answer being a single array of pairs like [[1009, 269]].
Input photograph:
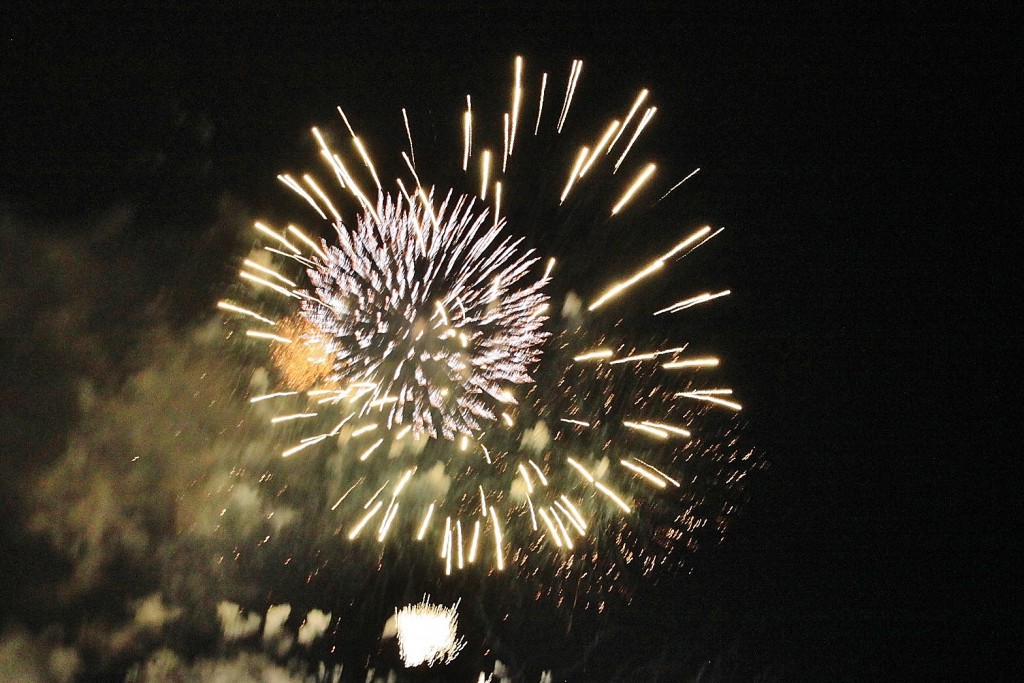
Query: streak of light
[[268, 271], [267, 283], [228, 306], [402, 432], [691, 363], [310, 243], [267, 335], [366, 160], [672, 189], [581, 469], [458, 534], [485, 172], [403, 481], [498, 551], [561, 527], [552, 531], [580, 423], [297, 189], [517, 97], [426, 521], [526, 478], [280, 238], [366, 454], [497, 202], [408, 133], [467, 132], [363, 430], [504, 154], [653, 431], [540, 107], [475, 542], [483, 501], [323, 196], [648, 115], [664, 476], [574, 76], [649, 476], [574, 173], [667, 428], [366, 518], [632, 190], [543, 479], [619, 287], [548, 268], [697, 238], [646, 356], [574, 510], [264, 397], [381, 402], [593, 355], [507, 418], [533, 515], [608, 133], [448, 546], [464, 443], [693, 301], [376, 493], [388, 518], [345, 495], [305, 444], [293, 416], [611, 494], [572, 519], [641, 96], [711, 399]]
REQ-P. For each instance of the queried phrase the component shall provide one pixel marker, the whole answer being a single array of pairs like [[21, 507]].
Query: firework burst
[[420, 343]]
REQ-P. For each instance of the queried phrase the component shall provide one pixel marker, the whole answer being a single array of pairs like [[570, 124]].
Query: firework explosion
[[420, 343], [428, 633]]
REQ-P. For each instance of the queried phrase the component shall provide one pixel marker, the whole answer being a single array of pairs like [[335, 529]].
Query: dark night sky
[[836, 145]]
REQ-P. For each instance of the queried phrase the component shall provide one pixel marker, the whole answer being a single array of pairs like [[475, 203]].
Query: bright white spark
[[428, 633], [691, 363], [634, 188], [693, 301]]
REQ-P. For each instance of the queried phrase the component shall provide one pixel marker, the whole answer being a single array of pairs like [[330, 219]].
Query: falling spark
[[648, 115], [366, 518], [574, 76], [649, 476], [691, 363], [648, 429], [426, 520], [709, 398], [693, 301], [228, 306], [540, 106], [641, 96], [267, 335], [674, 187], [637, 184]]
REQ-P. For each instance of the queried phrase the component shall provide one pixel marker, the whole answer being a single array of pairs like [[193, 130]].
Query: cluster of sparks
[[419, 334], [428, 633]]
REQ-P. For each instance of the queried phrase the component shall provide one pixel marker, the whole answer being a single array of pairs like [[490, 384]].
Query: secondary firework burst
[[419, 341], [428, 633]]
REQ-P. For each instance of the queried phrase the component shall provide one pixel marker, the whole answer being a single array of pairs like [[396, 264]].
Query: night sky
[[836, 146]]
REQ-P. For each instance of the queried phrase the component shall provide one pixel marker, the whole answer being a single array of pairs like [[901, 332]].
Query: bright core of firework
[[429, 313], [428, 633]]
